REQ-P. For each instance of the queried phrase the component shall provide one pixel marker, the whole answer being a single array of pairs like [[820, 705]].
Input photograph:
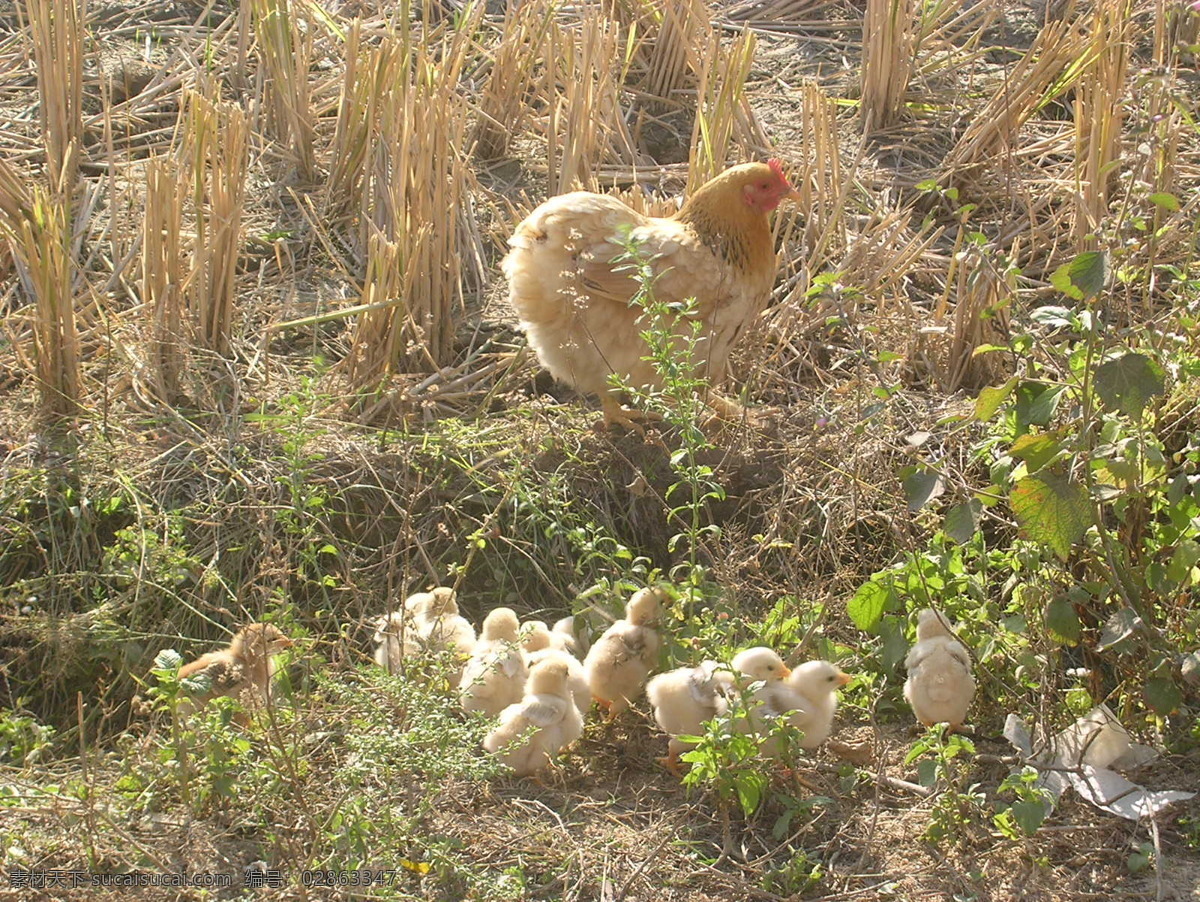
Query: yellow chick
[[571, 640], [808, 699], [397, 634], [577, 682], [683, 699], [535, 636], [441, 629], [243, 670], [494, 676], [757, 665], [541, 724], [939, 685], [618, 664]]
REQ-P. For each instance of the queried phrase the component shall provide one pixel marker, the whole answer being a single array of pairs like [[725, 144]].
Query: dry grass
[[889, 42], [285, 48], [1099, 115], [216, 147]]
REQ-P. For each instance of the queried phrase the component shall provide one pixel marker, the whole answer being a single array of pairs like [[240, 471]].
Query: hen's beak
[[793, 194], [844, 678]]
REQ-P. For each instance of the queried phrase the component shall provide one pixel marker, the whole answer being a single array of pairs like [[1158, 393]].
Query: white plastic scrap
[[1081, 755]]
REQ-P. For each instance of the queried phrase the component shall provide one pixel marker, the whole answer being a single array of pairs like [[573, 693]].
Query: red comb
[[777, 167]]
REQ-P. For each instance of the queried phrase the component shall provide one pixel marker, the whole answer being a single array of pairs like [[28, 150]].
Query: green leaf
[[1055, 316], [1163, 696], [1052, 509], [962, 521], [1037, 403], [1120, 626], [895, 646], [991, 398], [1128, 382], [1062, 620], [867, 605], [1083, 277], [1183, 560], [1029, 814], [921, 485], [1164, 200], [168, 659], [1037, 450], [749, 787]]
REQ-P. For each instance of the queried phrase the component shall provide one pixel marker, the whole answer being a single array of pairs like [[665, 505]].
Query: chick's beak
[[787, 671], [844, 678]]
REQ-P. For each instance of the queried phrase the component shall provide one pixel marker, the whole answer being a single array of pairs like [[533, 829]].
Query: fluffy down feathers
[[540, 725], [619, 662], [244, 669], [429, 623], [684, 699], [494, 676], [939, 685], [577, 682], [808, 699], [573, 300]]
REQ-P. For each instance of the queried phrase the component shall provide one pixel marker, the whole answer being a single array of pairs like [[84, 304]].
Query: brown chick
[[244, 669], [572, 297]]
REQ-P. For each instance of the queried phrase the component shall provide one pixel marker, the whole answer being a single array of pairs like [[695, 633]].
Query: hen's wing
[[224, 673]]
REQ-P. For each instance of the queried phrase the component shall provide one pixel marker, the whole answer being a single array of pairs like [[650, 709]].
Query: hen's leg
[[615, 414]]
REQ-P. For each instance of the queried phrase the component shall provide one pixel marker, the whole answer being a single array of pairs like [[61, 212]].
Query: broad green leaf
[[1083, 277], [866, 607], [962, 520], [1052, 509], [1128, 382], [1055, 316], [921, 485], [1119, 626], [1037, 450], [1062, 620], [895, 646], [168, 659], [1165, 200], [197, 684], [1120, 474], [1163, 696], [749, 787], [1037, 403], [991, 398], [1029, 814]]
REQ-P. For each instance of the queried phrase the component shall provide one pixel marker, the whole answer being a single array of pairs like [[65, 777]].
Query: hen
[[573, 295]]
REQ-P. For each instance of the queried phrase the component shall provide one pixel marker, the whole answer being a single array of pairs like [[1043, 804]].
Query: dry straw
[[285, 50], [889, 43], [585, 125], [721, 113], [1099, 116], [58, 39], [504, 103], [36, 222], [1051, 65], [216, 148], [163, 272], [413, 216]]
